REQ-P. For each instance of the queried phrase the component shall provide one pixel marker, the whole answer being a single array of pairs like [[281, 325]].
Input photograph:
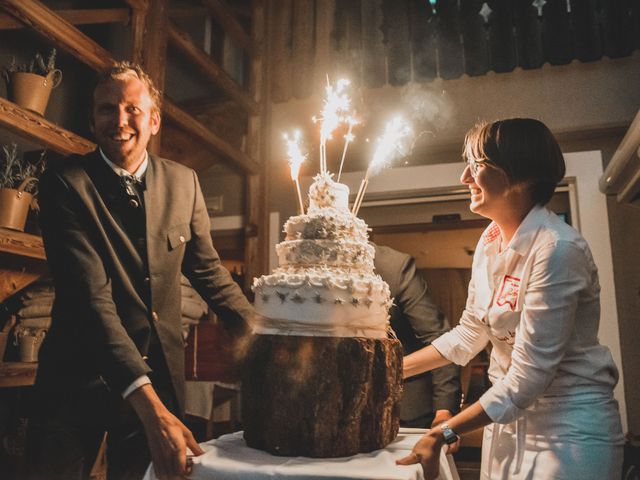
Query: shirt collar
[[526, 232], [138, 174]]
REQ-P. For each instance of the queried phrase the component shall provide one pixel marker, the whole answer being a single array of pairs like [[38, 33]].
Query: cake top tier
[[325, 193]]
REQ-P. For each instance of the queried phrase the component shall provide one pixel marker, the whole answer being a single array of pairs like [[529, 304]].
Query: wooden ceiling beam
[[75, 17], [211, 69], [138, 4], [184, 120], [223, 14]]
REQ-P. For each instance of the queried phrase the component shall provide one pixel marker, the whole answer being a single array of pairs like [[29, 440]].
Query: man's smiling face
[[124, 119]]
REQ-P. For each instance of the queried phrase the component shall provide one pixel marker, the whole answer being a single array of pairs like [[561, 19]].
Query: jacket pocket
[[178, 235]]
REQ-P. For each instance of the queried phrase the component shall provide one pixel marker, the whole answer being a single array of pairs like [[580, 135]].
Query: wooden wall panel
[[528, 35], [635, 24], [347, 41], [302, 49], [450, 50], [423, 41], [474, 38], [501, 39], [374, 71], [380, 42], [396, 28], [616, 24], [556, 33], [281, 12], [587, 39], [325, 14]]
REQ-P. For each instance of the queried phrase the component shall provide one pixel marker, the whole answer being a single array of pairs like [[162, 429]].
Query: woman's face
[[489, 187]]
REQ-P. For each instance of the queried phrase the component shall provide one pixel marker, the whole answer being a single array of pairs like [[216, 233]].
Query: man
[[119, 225], [435, 397]]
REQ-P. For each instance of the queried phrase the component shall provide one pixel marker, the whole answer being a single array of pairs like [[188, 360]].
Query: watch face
[[449, 436]]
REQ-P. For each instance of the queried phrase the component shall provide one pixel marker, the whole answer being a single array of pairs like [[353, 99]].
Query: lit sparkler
[[335, 111], [296, 157], [389, 147], [348, 138]]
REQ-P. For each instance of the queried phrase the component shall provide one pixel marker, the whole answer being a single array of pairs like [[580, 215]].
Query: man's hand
[[443, 416], [167, 436], [427, 453]]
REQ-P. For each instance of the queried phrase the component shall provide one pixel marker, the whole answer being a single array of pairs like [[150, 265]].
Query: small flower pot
[[31, 91], [29, 341], [14, 207]]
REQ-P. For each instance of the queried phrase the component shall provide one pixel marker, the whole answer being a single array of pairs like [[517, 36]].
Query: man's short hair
[[124, 69]]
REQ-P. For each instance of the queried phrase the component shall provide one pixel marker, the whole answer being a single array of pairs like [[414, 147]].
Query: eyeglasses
[[474, 165]]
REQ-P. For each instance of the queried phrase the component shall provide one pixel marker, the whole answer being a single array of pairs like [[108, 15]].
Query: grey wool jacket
[[114, 299]]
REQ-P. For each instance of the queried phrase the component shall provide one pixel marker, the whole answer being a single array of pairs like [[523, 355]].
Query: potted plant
[[18, 186], [29, 84]]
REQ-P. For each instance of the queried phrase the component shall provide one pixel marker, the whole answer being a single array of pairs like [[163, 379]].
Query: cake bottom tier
[[321, 396]]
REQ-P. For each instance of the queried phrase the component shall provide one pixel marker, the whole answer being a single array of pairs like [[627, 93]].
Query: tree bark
[[321, 396]]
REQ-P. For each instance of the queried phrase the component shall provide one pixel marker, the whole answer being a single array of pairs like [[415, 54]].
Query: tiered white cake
[[324, 284]]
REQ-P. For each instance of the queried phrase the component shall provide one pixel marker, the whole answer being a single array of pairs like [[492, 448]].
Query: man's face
[[124, 120]]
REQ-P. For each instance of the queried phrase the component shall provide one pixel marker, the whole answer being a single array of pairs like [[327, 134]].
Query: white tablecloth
[[229, 458]]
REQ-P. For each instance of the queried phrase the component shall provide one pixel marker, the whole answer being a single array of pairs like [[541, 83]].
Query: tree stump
[[321, 396]]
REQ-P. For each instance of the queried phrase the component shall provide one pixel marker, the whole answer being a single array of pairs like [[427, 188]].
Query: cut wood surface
[[321, 396]]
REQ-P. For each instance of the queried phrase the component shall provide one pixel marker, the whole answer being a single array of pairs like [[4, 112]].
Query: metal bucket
[[31, 91], [14, 207]]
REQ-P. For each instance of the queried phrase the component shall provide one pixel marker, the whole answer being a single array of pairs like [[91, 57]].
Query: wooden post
[[150, 48], [257, 192]]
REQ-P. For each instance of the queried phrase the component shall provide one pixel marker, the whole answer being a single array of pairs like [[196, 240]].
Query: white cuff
[[136, 384], [498, 405]]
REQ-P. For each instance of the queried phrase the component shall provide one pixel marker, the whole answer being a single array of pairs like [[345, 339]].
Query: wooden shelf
[[17, 374], [37, 128], [20, 243], [23, 261]]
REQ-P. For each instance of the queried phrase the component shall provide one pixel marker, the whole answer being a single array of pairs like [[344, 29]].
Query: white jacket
[[537, 302]]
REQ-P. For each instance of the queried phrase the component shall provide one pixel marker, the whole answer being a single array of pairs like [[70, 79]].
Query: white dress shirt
[[537, 302]]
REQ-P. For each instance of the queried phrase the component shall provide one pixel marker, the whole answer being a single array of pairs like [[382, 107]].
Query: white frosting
[[324, 285]]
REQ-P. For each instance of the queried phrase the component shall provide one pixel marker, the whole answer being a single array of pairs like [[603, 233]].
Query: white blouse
[[537, 302]]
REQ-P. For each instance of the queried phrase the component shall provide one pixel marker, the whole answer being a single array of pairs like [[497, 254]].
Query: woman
[[534, 294]]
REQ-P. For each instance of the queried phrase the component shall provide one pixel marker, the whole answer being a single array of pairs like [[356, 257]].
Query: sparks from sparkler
[[335, 111], [348, 138], [295, 159], [389, 147]]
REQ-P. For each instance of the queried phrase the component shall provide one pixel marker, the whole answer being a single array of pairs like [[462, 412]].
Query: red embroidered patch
[[509, 292], [491, 234]]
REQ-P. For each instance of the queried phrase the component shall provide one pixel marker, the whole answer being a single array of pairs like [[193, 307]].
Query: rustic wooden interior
[[284, 50]]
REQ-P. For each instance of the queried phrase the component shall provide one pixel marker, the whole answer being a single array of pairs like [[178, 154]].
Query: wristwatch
[[449, 435]]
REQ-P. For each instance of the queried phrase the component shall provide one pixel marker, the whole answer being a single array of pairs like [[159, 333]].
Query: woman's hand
[[427, 453], [443, 416]]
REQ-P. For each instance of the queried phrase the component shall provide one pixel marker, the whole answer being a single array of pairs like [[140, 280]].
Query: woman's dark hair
[[524, 148]]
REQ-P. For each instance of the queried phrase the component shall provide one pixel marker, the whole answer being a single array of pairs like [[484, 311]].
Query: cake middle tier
[[330, 253], [322, 302]]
